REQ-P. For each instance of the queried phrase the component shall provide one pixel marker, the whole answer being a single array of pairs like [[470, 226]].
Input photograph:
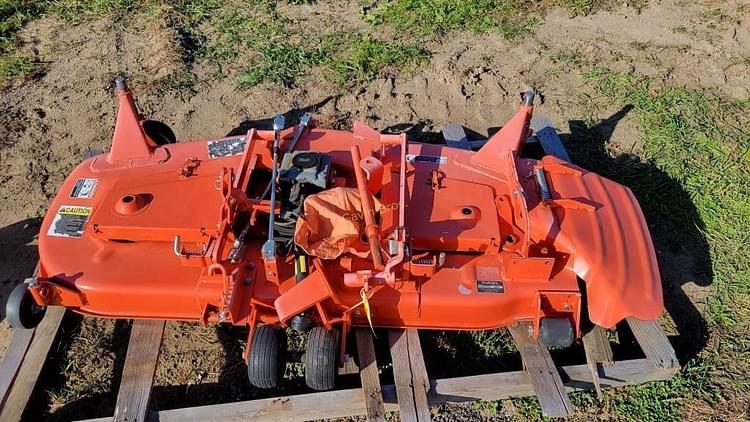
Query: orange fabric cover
[[332, 224]]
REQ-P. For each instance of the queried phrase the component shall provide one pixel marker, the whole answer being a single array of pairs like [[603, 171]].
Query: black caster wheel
[[267, 360], [321, 359], [21, 310], [301, 323], [159, 132]]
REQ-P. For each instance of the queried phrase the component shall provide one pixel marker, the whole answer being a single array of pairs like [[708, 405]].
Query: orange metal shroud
[[467, 241]]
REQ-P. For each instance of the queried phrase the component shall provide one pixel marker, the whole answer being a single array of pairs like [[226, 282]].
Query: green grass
[[78, 11], [13, 16], [694, 181], [437, 18], [357, 59], [278, 62], [240, 30], [276, 55], [701, 141], [15, 65], [587, 7]]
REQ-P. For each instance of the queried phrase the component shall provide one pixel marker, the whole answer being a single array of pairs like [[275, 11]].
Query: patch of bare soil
[[50, 121]]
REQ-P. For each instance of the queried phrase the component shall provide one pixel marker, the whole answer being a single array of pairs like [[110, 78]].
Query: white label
[[226, 147], [427, 159], [84, 189]]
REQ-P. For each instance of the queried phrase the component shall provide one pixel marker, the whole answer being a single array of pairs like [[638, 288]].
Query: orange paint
[[475, 245]]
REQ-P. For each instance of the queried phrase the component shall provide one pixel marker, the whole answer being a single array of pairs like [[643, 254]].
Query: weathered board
[[455, 136], [409, 375], [138, 373], [350, 402], [598, 351], [547, 136], [542, 372], [32, 363], [371, 390], [12, 360], [654, 342]]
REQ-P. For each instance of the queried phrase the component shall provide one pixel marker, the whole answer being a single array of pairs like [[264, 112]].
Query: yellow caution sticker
[[70, 221]]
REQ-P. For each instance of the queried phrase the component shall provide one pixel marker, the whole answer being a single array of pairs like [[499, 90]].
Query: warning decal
[[226, 147], [69, 221], [83, 189]]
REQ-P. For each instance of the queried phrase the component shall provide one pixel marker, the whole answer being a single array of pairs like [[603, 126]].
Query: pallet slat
[[455, 136], [31, 365], [597, 349], [12, 361], [547, 136], [654, 343], [371, 390], [596, 344], [350, 402], [410, 375], [542, 372], [138, 373]]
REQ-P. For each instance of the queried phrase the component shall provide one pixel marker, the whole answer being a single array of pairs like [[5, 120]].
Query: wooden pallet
[[412, 393]]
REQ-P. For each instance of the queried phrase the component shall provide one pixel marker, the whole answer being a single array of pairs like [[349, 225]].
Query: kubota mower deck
[[326, 230]]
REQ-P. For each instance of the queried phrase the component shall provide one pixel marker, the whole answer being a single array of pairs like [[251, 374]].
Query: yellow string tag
[[366, 306]]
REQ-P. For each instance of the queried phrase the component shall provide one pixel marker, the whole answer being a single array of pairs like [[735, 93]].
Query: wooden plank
[[373, 394], [350, 402], [33, 361], [350, 366], [542, 372], [138, 373], [654, 343], [409, 375], [416, 359], [597, 344], [455, 136], [12, 361], [550, 141], [597, 349]]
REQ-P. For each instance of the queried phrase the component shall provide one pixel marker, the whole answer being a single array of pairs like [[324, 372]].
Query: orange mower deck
[[450, 239]]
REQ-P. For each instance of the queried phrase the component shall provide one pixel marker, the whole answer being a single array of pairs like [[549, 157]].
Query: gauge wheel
[[21, 310], [267, 360], [321, 358]]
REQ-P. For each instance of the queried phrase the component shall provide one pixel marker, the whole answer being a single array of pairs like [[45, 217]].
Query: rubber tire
[[321, 359], [267, 360], [21, 310]]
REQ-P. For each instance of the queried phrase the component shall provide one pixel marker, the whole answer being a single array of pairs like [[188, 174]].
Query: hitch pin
[[541, 180]]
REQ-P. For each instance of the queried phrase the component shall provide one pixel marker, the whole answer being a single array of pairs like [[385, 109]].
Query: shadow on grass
[[676, 227]]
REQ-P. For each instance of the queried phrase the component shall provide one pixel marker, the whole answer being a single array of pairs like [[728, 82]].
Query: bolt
[[120, 84], [528, 98]]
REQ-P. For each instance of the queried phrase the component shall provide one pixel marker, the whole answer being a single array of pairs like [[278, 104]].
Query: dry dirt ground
[[47, 122]]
